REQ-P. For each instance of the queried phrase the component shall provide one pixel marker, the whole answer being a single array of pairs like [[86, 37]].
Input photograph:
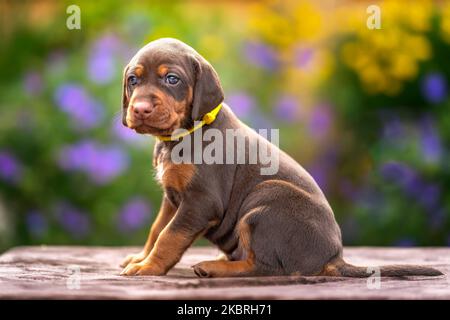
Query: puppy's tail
[[339, 268]]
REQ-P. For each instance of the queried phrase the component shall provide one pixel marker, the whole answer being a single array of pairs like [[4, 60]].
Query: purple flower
[[429, 195], [36, 223], [102, 163], [126, 135], [73, 99], [261, 55], [10, 168], [241, 103], [434, 88], [323, 166], [101, 65], [399, 173], [371, 199], [320, 121], [303, 57], [426, 194], [437, 218], [260, 121], [349, 190], [405, 242], [350, 230], [77, 156], [73, 220], [320, 174], [393, 127], [56, 62], [404, 176], [286, 108], [111, 161], [430, 141], [33, 83], [135, 214], [127, 52]]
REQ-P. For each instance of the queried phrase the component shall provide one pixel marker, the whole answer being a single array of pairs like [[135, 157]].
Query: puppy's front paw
[[133, 258], [141, 269]]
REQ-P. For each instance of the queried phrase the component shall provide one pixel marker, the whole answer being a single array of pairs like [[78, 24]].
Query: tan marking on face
[[162, 70], [178, 109], [189, 97], [129, 115], [139, 71], [166, 107]]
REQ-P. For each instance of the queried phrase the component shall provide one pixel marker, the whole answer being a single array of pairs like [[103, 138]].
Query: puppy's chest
[[173, 176]]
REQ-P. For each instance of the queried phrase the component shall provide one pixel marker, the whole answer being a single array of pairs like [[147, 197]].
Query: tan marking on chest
[[176, 176]]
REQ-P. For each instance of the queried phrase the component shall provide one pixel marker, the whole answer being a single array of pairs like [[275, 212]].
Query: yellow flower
[[212, 47], [418, 46], [162, 31], [271, 26], [417, 15], [445, 22], [384, 59], [414, 15], [285, 23], [373, 78], [308, 21], [354, 56], [349, 18], [402, 66], [327, 65]]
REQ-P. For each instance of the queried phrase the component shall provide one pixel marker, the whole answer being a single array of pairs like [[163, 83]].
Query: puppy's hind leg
[[220, 268], [225, 268]]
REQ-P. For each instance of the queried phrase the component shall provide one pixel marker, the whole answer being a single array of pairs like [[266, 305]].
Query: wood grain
[[45, 272]]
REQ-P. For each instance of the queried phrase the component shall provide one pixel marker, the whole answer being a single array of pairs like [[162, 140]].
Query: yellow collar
[[207, 119]]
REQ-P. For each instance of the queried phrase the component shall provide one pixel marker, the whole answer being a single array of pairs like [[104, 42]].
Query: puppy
[[279, 224]]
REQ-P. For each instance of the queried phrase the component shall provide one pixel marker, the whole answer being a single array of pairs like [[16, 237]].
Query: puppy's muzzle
[[142, 110]]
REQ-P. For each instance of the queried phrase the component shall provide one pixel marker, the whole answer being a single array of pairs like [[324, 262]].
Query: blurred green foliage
[[365, 111]]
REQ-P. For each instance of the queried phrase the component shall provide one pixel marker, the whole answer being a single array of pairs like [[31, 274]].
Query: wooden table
[[56, 272]]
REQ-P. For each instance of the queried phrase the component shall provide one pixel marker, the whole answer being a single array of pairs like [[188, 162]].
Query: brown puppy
[[278, 224]]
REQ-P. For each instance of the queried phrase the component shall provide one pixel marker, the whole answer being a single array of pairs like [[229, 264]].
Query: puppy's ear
[[125, 99], [208, 92]]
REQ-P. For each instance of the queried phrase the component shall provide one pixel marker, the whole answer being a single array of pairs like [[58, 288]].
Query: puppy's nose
[[142, 109]]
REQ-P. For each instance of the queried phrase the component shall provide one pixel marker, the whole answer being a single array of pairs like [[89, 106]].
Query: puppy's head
[[167, 85]]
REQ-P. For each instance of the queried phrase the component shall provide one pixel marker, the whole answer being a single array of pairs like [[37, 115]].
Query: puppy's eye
[[132, 80], [172, 79]]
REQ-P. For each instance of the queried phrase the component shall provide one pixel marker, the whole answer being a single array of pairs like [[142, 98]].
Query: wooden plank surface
[[56, 272]]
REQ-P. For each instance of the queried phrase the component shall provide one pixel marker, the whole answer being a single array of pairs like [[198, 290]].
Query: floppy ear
[[124, 96], [208, 92]]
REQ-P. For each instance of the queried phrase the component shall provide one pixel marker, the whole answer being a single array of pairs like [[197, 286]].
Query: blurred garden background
[[366, 112]]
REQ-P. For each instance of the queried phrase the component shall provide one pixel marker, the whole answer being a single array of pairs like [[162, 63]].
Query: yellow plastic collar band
[[207, 119]]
